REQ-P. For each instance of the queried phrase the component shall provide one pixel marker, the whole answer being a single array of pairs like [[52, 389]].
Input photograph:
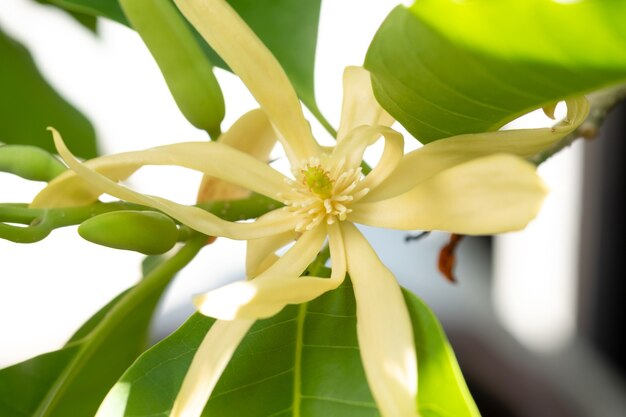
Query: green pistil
[[317, 180]]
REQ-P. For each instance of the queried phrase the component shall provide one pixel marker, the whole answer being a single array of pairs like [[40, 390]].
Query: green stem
[[154, 282], [40, 222]]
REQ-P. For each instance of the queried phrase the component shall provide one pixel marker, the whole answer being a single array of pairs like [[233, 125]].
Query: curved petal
[[216, 159], [349, 152], [359, 104], [435, 157], [193, 217], [384, 329], [393, 153], [252, 134], [248, 57], [494, 194], [260, 252], [281, 284], [207, 366]]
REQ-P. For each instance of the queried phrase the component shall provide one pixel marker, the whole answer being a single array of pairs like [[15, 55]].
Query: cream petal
[[383, 328], [216, 159], [193, 217], [248, 57], [494, 194], [392, 155], [261, 297], [338, 256], [281, 284], [71, 190], [260, 252], [435, 157], [359, 104], [207, 366], [252, 134], [349, 152]]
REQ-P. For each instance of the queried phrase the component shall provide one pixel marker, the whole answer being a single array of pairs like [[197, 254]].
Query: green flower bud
[[29, 162], [148, 232], [185, 66]]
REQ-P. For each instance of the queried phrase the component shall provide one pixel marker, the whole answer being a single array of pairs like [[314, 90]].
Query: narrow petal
[[252, 134], [494, 194], [435, 157], [393, 152], [337, 253], [248, 57], [359, 104], [383, 328], [193, 217], [261, 297], [349, 152], [260, 252], [281, 284], [215, 159], [207, 366]]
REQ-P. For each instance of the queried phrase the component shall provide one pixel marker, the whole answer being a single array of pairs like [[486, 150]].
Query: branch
[[601, 103]]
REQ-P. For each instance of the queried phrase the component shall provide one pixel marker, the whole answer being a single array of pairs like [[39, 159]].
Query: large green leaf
[[72, 382], [28, 104], [287, 27], [447, 67], [302, 362]]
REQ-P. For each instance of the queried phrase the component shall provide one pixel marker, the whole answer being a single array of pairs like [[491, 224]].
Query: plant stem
[[40, 222]]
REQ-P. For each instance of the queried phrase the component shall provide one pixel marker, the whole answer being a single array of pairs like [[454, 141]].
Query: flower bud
[[185, 66], [148, 232], [29, 162]]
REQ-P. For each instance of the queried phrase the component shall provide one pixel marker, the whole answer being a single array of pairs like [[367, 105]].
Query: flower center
[[323, 195], [317, 180]]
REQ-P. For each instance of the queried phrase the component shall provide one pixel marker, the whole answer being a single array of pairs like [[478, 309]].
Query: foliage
[[487, 63], [29, 104], [303, 361]]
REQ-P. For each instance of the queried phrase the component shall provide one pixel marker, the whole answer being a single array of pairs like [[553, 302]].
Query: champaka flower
[[468, 184]]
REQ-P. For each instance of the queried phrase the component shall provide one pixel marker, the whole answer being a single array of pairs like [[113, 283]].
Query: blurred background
[[536, 319]]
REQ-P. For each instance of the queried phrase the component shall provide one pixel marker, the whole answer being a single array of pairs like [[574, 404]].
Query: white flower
[[469, 184]]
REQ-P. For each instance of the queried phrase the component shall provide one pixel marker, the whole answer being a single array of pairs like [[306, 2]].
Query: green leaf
[[73, 381], [28, 104], [302, 362], [442, 390], [447, 67]]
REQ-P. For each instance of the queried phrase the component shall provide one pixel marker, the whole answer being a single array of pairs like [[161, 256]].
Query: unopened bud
[[148, 232]]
